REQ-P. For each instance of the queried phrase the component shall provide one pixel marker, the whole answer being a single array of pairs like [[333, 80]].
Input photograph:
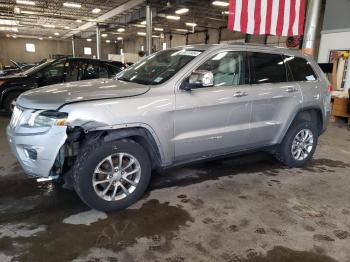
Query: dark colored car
[[53, 72], [15, 68]]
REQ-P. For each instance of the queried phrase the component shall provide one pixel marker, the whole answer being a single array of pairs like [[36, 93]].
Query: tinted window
[[267, 68], [54, 70], [300, 68], [227, 67], [92, 70]]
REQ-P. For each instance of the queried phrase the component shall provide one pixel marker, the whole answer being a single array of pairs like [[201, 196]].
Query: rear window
[[267, 68], [300, 68]]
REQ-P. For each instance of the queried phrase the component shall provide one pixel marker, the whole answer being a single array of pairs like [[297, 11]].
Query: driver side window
[[54, 70], [227, 67]]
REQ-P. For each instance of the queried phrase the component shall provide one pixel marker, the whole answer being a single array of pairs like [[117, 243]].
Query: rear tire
[[298, 145], [10, 102], [124, 185]]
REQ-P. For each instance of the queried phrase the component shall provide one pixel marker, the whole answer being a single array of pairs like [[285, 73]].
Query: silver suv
[[104, 137]]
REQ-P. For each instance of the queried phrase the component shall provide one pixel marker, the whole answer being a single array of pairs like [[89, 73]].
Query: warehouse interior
[[247, 206]]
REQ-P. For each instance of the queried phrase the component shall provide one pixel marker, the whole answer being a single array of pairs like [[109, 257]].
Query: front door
[[214, 120], [53, 74]]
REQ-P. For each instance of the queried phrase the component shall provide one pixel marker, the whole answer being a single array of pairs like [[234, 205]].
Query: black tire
[[8, 102], [90, 157], [284, 150]]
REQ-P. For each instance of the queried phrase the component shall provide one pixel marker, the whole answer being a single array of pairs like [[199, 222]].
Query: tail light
[[329, 88]]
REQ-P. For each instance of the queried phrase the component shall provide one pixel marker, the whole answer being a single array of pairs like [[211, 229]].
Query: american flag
[[260, 17]]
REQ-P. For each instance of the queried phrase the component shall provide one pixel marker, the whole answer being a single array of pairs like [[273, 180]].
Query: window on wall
[[87, 51], [30, 47]]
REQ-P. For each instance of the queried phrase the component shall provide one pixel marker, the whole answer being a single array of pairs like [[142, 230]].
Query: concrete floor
[[245, 209]]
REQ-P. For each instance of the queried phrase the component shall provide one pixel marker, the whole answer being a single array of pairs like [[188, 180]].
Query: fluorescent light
[[104, 35], [141, 33], [121, 30], [191, 24], [138, 25], [56, 33], [182, 11], [8, 22], [8, 28], [173, 17], [17, 10], [225, 12], [89, 39], [79, 21], [158, 29], [181, 30], [50, 37], [156, 36], [119, 38], [14, 36], [40, 38], [143, 22], [28, 12], [49, 26], [67, 27], [25, 2], [108, 41], [220, 3], [72, 5], [96, 10]]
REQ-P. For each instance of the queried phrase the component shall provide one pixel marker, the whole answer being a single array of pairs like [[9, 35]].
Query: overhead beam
[[112, 13]]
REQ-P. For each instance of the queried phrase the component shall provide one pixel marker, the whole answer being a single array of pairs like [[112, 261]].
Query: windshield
[[159, 67], [36, 68]]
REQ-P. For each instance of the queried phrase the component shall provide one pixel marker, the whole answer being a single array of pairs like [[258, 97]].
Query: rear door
[[275, 98], [214, 120]]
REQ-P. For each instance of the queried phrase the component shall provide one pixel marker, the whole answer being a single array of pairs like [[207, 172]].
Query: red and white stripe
[[260, 17]]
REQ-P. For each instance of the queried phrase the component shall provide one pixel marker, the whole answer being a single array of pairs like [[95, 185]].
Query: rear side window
[[300, 68], [267, 68]]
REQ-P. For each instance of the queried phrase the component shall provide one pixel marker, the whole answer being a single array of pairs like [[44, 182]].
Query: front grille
[[16, 117]]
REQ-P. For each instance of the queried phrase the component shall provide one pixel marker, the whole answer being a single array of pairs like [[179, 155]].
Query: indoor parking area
[[174, 130]]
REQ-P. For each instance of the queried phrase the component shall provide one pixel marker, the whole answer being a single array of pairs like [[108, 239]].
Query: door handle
[[239, 94], [291, 89]]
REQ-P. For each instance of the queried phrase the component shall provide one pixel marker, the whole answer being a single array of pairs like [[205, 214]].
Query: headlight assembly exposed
[[46, 118]]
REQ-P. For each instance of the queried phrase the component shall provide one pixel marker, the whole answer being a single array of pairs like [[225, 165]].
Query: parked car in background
[[177, 106], [15, 68], [53, 72]]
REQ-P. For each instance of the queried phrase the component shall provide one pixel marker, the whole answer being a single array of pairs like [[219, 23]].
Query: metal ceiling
[[33, 19]]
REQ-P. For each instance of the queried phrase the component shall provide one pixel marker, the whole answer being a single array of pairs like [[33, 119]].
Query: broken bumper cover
[[36, 152]]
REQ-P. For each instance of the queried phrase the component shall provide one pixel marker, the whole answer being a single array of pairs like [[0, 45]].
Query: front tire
[[298, 145], [112, 176]]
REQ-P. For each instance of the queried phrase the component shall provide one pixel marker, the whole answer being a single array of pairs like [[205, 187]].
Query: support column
[[312, 17], [148, 29], [73, 46], [98, 42]]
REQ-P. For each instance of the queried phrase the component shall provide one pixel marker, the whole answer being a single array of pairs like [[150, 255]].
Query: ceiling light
[[155, 36], [104, 35], [143, 22], [108, 41], [225, 12], [72, 5], [49, 26], [141, 33], [8, 28], [182, 11], [40, 38], [89, 39], [17, 10], [121, 30], [181, 30], [158, 29], [79, 21], [50, 37], [138, 25], [119, 38], [25, 2], [173, 17], [14, 36], [66, 27], [220, 3], [96, 10], [28, 12], [191, 24], [56, 33]]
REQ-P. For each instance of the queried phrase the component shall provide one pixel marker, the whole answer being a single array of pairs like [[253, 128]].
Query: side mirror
[[199, 78]]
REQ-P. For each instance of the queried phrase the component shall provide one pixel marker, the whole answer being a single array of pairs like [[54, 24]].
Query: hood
[[54, 96], [12, 76]]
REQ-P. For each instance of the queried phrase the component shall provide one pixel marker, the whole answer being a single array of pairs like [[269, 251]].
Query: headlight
[[46, 118]]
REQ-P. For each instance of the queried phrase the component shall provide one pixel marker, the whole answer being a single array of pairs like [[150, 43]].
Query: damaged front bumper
[[36, 149]]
